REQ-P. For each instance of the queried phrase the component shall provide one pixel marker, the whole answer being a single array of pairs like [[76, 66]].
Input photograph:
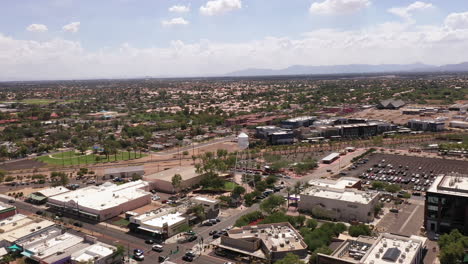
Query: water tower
[[243, 141]]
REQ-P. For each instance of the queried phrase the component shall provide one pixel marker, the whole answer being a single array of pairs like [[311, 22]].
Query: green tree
[[311, 223], [238, 190], [119, 251], [392, 188], [176, 181], [272, 204], [359, 230], [199, 211], [290, 258]]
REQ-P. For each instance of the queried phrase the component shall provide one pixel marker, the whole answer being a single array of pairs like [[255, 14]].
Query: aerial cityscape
[[234, 131]]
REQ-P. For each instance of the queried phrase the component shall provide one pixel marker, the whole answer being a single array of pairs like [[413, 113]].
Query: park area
[[70, 158]]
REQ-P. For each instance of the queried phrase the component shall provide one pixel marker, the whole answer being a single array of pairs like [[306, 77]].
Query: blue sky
[[61, 39]]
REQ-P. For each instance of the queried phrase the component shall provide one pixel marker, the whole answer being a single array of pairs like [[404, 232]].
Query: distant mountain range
[[352, 68]]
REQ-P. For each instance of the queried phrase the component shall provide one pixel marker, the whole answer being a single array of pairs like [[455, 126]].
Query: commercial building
[[264, 131], [358, 130], [7, 210], [303, 121], [387, 248], [162, 181], [102, 202], [264, 242], [341, 184], [211, 205], [40, 197], [98, 253], [52, 245], [338, 203], [331, 158], [446, 206], [390, 104], [124, 172], [458, 107], [281, 137], [160, 224], [459, 124], [18, 226], [426, 125]]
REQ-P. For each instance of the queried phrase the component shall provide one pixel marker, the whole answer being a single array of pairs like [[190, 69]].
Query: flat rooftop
[[4, 206], [19, 225], [394, 248], [90, 253], [348, 195], [169, 219], [342, 183], [123, 169], [300, 118], [48, 192], [49, 242], [276, 237], [187, 172], [451, 184], [107, 195], [204, 199]]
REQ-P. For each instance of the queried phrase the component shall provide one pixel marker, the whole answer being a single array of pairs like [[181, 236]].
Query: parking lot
[[410, 172], [408, 220]]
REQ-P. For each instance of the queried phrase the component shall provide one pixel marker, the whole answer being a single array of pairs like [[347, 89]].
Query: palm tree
[[288, 190]]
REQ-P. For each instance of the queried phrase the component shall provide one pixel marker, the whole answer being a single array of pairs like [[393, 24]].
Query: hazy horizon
[[70, 39]]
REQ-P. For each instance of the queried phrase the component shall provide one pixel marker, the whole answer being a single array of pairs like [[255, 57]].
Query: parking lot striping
[[409, 218]]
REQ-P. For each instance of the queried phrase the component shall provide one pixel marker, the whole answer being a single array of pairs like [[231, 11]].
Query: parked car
[[149, 241], [192, 238], [187, 258], [157, 248]]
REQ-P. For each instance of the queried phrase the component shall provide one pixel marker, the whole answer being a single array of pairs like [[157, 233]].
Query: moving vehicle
[[138, 254]]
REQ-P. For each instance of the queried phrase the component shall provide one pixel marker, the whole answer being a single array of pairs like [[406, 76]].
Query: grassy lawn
[[122, 222], [72, 158], [229, 186]]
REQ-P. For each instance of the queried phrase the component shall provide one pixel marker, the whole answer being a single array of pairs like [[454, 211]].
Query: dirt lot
[[417, 168], [397, 116], [22, 165]]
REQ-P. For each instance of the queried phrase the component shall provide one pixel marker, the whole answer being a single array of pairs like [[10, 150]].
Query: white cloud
[[37, 28], [457, 21], [406, 12], [175, 21], [218, 7], [393, 42], [333, 7], [179, 9], [72, 27]]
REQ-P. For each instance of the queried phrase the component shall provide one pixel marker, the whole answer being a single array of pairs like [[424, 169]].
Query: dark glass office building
[[446, 206]]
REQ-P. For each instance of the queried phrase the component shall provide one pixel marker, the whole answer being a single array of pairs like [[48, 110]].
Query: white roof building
[[391, 248], [93, 253], [340, 204], [341, 184], [105, 201], [162, 222]]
